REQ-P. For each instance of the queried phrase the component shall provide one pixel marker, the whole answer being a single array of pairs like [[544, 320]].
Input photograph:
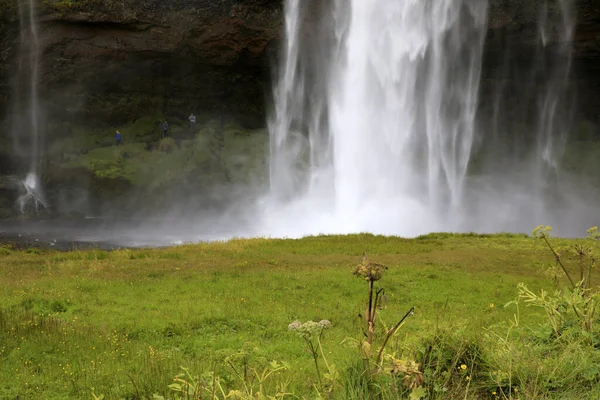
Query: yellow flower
[[494, 393], [468, 378], [463, 367], [492, 305]]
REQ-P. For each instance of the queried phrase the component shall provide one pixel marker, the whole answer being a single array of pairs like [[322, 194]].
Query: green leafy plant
[[377, 362], [209, 386], [312, 332], [579, 302], [584, 254], [253, 372], [95, 396]]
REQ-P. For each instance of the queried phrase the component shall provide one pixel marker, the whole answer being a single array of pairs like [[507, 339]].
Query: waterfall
[[26, 129], [375, 123], [403, 109], [378, 135], [299, 138]]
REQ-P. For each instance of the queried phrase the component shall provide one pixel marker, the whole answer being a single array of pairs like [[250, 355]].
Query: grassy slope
[[125, 321], [145, 160]]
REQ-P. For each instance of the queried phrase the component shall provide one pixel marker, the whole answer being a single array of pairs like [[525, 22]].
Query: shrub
[[167, 145]]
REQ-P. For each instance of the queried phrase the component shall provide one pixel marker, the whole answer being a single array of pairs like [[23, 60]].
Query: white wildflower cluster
[[309, 329], [325, 324], [294, 325]]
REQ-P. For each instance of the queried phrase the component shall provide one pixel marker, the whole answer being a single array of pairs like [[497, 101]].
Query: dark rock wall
[[209, 56], [8, 45], [112, 60]]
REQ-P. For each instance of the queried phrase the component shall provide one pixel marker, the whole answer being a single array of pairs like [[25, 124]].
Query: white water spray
[[27, 138], [32, 194], [377, 134]]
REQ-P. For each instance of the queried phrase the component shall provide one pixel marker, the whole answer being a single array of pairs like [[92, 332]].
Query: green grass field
[[121, 324]]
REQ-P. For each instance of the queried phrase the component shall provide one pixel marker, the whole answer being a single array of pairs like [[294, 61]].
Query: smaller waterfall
[[552, 132], [529, 122], [288, 97], [299, 141], [26, 129]]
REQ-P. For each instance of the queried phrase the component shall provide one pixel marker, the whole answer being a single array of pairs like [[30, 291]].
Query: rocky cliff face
[[115, 59], [111, 60], [8, 20]]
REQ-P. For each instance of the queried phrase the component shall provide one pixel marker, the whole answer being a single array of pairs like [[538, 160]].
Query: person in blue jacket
[[165, 129]]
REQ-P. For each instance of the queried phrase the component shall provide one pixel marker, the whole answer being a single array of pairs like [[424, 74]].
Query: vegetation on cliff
[[8, 9], [188, 162]]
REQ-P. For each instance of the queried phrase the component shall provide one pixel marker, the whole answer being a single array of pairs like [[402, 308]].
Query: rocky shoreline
[[60, 235]]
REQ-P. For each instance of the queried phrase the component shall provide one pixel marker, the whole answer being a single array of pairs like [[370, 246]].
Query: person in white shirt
[[192, 119]]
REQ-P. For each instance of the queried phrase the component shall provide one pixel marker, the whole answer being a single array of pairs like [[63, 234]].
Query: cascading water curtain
[[378, 131]]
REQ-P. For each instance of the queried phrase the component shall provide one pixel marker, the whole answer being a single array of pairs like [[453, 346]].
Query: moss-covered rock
[[86, 171], [8, 10]]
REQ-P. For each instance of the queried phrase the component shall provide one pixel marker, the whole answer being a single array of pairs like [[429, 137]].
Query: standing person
[[118, 137], [192, 119], [165, 129]]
